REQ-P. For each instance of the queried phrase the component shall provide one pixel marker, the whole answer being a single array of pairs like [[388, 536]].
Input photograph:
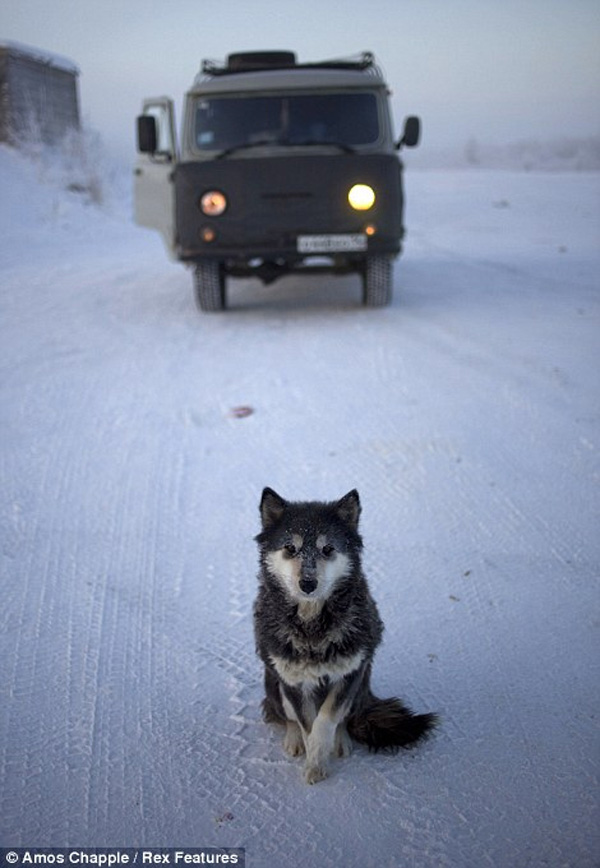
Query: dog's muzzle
[[308, 585]]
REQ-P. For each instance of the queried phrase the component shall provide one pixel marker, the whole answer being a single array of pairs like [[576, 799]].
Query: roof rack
[[261, 61]]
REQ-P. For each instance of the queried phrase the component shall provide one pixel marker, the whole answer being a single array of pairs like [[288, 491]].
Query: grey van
[[283, 167]]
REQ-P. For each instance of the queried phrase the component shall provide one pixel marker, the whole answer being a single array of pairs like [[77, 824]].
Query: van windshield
[[228, 123]]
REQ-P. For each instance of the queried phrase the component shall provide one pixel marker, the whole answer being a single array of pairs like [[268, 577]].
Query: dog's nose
[[308, 585]]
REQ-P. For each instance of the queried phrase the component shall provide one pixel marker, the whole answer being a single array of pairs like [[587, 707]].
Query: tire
[[209, 286], [377, 281]]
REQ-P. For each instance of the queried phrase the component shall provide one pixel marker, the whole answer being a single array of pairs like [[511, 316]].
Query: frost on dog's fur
[[317, 628]]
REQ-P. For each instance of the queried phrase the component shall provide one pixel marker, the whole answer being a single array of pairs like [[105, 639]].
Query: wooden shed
[[38, 95]]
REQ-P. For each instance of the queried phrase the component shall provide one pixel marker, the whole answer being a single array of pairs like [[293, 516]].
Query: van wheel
[[377, 281], [209, 286]]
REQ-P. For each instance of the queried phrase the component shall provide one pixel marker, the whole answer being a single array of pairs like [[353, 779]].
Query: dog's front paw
[[314, 774], [293, 743]]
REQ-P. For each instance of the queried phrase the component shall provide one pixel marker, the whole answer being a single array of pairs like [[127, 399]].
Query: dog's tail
[[388, 724]]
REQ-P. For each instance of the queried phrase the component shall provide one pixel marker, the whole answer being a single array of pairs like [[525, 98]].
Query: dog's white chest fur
[[300, 672]]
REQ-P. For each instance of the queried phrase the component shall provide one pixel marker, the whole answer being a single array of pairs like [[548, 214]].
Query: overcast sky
[[496, 70]]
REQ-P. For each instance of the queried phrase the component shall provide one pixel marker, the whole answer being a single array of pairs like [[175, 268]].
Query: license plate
[[331, 243]]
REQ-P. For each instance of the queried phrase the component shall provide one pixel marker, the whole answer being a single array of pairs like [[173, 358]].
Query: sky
[[497, 71]]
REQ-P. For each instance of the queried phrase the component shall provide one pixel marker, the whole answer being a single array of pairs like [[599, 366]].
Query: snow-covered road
[[466, 415]]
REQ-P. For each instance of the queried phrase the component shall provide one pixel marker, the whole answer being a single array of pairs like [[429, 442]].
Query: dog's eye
[[290, 549], [327, 550]]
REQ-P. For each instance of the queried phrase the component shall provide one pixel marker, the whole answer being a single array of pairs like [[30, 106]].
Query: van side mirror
[[412, 133], [147, 139]]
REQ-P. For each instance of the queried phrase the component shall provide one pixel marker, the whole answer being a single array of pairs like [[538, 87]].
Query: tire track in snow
[[92, 635], [43, 647], [233, 654]]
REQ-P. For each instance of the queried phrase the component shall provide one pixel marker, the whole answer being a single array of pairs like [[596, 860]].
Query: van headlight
[[361, 197], [213, 203]]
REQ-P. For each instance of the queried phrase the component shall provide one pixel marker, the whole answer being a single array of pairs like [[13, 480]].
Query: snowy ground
[[467, 417]]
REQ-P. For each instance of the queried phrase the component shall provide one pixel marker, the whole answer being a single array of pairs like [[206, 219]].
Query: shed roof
[[38, 55]]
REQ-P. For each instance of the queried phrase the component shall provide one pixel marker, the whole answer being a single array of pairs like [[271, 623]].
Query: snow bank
[[466, 415], [58, 195]]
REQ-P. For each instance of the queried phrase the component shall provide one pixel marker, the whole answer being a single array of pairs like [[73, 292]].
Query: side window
[[162, 112], [163, 135]]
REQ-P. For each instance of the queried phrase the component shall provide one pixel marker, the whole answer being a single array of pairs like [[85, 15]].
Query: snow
[[566, 154], [466, 415], [39, 55]]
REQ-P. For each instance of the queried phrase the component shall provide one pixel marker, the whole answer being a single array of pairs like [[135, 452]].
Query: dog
[[317, 627]]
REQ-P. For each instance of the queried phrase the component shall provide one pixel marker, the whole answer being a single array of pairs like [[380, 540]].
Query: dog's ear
[[348, 508], [272, 507]]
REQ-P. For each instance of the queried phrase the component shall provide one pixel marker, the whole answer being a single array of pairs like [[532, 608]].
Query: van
[[283, 167]]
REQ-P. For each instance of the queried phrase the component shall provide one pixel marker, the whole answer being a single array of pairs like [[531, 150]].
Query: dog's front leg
[[321, 740], [293, 743], [297, 725]]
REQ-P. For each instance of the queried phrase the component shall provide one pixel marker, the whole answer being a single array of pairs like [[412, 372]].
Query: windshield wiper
[[313, 143], [242, 146], [307, 143]]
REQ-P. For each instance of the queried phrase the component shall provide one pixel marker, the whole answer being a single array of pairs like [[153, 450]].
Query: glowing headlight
[[361, 197], [213, 203]]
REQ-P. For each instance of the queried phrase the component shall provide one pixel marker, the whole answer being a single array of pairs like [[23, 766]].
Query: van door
[[154, 187]]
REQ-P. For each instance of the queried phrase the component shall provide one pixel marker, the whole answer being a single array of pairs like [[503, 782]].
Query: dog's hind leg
[[272, 709], [343, 742]]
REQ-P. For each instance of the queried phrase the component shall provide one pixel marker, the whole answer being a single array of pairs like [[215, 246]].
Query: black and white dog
[[317, 628]]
